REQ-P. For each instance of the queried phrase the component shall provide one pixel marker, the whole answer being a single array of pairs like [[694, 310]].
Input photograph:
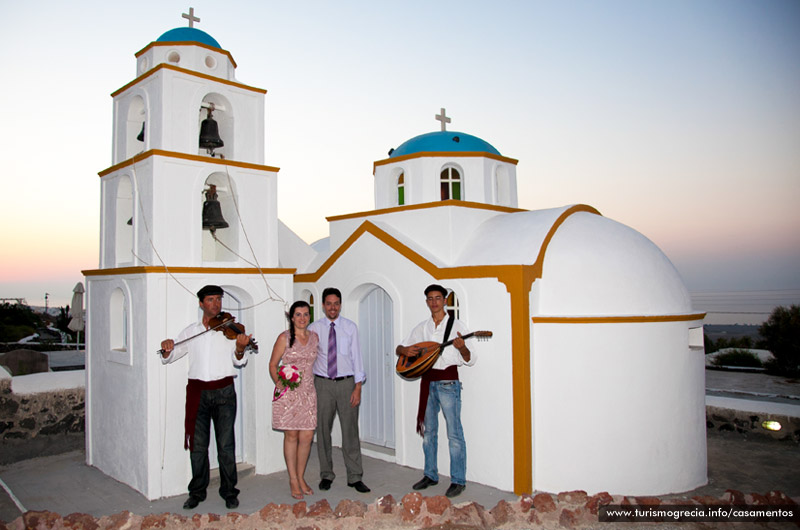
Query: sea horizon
[[742, 307]]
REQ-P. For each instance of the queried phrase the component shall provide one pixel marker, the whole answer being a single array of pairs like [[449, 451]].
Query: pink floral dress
[[296, 410]]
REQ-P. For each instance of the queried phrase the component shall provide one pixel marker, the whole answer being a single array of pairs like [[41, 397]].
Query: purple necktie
[[332, 352]]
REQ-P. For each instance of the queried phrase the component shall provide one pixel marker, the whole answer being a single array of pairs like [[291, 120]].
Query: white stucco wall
[[618, 408], [135, 405], [486, 397], [454, 226]]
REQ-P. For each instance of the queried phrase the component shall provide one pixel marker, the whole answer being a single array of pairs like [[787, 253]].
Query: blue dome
[[444, 141], [188, 35]]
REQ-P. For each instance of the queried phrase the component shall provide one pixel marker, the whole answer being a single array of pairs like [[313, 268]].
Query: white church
[[593, 380]]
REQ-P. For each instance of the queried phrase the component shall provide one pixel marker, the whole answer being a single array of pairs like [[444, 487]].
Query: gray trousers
[[334, 397]]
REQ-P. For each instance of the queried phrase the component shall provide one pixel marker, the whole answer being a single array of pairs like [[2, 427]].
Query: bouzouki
[[413, 367]]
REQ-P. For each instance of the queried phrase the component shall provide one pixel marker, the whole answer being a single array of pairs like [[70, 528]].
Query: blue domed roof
[[187, 35], [444, 141]]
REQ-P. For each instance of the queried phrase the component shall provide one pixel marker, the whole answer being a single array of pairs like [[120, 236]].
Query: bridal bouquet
[[290, 378]]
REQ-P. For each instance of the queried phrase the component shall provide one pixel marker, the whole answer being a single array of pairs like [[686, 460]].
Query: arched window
[[401, 189], [451, 305], [119, 321], [450, 184], [502, 186], [135, 131], [221, 244], [123, 222], [308, 297]]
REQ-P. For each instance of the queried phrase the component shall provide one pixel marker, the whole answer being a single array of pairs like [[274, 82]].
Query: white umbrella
[[76, 312]]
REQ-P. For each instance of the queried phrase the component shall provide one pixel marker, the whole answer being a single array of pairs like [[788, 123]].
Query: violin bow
[[161, 351]]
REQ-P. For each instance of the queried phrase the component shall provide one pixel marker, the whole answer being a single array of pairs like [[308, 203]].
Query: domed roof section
[[444, 141], [592, 265], [189, 35], [595, 266]]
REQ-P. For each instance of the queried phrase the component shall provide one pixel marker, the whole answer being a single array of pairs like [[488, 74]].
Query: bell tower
[[187, 201]]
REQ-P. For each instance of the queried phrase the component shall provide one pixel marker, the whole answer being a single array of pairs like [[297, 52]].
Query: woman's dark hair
[[290, 314]]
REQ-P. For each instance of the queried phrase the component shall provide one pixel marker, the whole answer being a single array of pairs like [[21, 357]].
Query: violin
[[226, 323]]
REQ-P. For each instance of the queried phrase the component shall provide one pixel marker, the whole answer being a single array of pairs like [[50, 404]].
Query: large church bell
[[212, 211], [209, 133]]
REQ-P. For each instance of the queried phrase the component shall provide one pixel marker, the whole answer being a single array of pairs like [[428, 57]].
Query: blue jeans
[[218, 406], [445, 395]]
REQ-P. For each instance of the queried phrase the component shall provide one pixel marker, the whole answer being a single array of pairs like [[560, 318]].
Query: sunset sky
[[678, 118]]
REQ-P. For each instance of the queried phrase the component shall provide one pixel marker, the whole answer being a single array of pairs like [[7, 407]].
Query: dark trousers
[[218, 406]]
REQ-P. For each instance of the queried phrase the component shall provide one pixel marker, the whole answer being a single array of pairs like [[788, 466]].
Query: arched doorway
[[232, 305], [375, 322]]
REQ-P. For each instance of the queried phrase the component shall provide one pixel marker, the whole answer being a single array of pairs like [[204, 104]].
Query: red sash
[[448, 374]]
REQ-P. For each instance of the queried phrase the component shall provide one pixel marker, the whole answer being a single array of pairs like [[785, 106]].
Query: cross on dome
[[443, 118], [190, 16]]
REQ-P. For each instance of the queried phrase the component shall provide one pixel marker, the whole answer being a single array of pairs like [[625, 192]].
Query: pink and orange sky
[[678, 118]]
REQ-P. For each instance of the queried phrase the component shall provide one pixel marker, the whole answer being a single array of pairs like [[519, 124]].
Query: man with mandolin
[[440, 389], [210, 395]]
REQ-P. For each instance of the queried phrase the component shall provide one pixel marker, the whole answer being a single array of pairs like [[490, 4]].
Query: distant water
[[742, 307]]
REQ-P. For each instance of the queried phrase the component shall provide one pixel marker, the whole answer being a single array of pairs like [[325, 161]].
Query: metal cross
[[443, 118], [190, 16]]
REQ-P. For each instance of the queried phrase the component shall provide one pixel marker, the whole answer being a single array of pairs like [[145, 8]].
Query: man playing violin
[[440, 389], [210, 396]]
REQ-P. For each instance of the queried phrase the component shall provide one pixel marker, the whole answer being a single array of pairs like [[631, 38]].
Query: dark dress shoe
[[359, 486], [455, 490], [325, 484], [231, 503], [191, 503], [424, 483]]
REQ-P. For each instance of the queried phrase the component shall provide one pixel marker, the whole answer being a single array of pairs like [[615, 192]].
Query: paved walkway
[[65, 484]]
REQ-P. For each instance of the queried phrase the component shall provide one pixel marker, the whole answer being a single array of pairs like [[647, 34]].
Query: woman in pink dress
[[295, 411]]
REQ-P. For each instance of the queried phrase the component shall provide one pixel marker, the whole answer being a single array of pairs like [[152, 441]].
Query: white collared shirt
[[213, 356], [428, 331], [348, 351]]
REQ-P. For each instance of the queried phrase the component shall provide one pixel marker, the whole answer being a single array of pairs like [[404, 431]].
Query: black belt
[[334, 378]]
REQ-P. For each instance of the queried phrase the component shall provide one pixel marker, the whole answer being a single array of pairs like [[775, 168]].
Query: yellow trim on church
[[630, 319], [151, 269], [437, 204], [440, 154], [196, 158], [518, 280], [164, 66], [187, 43]]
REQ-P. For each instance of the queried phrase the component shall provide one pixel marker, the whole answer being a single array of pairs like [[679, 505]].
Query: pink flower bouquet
[[289, 377]]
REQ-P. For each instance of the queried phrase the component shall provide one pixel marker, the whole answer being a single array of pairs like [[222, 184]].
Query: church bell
[[141, 134], [209, 134], [212, 210]]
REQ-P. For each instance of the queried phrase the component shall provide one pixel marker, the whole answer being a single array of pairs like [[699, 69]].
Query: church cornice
[[444, 154], [185, 156], [164, 66], [155, 269], [437, 204], [187, 43]]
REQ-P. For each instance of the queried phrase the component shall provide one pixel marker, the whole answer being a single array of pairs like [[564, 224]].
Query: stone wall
[[41, 423], [573, 509], [749, 423]]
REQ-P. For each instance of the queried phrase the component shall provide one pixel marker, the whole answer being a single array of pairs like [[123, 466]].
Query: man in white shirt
[[338, 375], [210, 396], [440, 389]]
